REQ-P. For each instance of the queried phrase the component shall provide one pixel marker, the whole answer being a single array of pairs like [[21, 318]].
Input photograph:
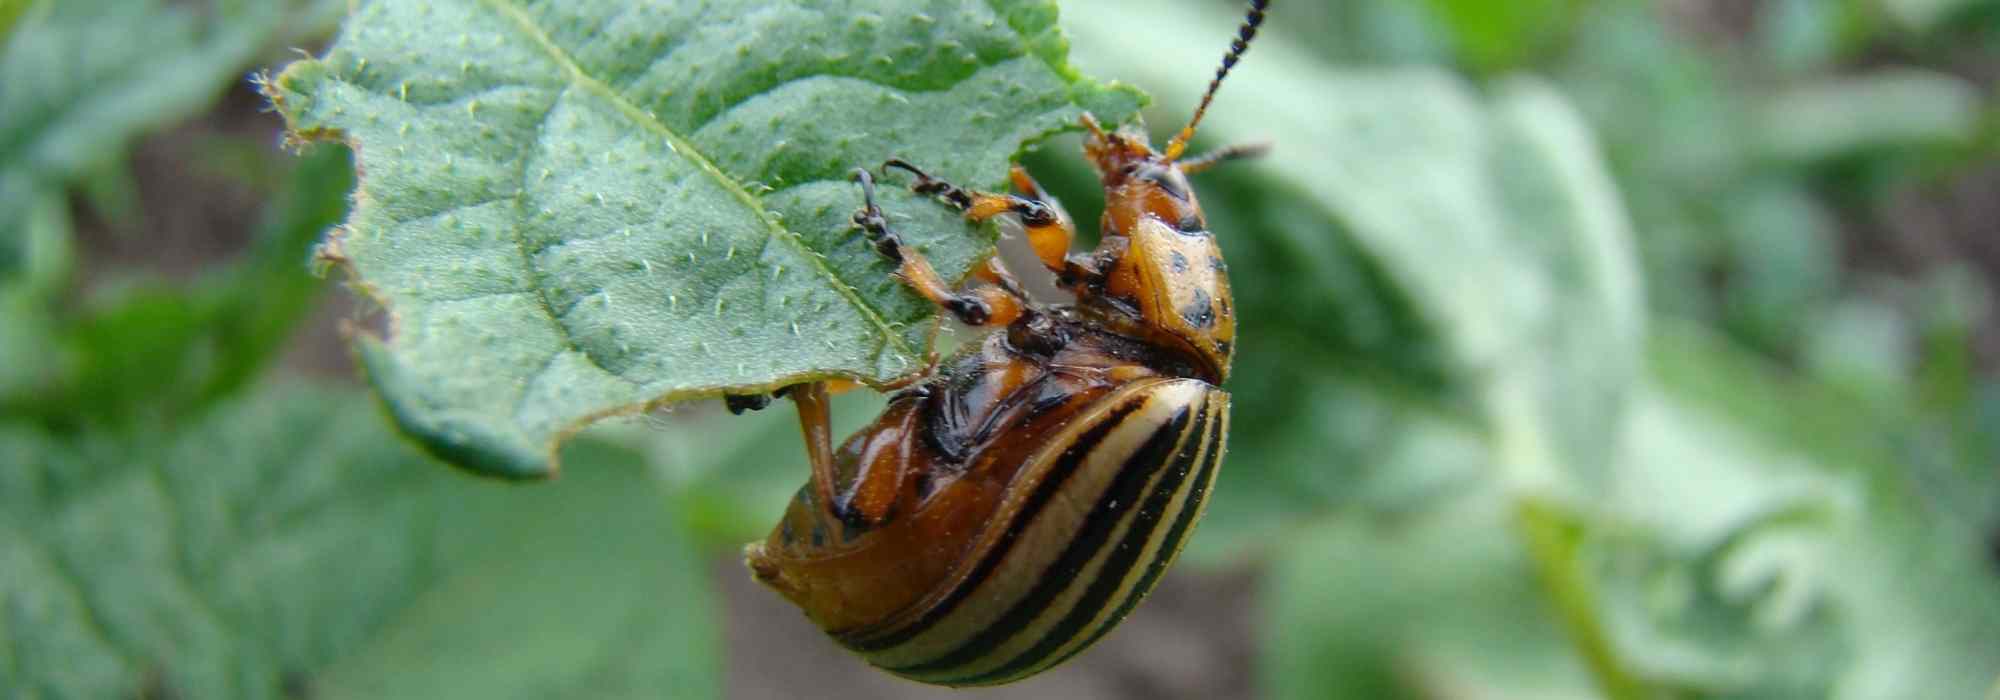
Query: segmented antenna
[[1244, 34]]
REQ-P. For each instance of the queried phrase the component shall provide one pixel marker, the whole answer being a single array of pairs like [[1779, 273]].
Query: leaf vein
[[176, 536], [541, 293], [686, 149], [87, 604]]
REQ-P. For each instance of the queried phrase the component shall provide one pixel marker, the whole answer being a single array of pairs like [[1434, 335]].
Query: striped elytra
[[1012, 505], [1093, 519]]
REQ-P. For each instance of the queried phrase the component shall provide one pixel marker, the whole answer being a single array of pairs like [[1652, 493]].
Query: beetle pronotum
[[1007, 511]]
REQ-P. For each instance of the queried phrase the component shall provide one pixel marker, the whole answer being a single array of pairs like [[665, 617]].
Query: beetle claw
[[926, 185]]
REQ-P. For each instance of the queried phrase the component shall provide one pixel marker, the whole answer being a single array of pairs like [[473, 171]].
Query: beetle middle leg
[[1049, 229], [996, 304]]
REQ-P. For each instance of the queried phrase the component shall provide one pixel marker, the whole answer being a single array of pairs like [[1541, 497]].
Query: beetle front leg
[[983, 306]]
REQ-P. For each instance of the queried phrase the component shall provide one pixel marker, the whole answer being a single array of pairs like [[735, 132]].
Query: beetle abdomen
[[1086, 529]]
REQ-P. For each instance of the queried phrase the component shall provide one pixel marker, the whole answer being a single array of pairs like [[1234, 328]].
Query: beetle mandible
[[1008, 510]]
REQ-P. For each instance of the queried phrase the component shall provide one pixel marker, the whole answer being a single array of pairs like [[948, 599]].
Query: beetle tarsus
[[952, 194], [871, 221]]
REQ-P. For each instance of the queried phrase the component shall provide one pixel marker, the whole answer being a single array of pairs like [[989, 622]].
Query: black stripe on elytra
[[1120, 562], [1189, 514], [1124, 494], [1052, 483]]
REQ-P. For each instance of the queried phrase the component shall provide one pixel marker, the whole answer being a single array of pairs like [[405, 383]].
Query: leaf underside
[[570, 210]]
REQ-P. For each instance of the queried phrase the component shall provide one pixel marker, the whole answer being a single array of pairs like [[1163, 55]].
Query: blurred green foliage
[[1568, 370]]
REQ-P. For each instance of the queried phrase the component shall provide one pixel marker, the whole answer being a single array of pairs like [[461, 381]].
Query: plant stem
[[1551, 539]]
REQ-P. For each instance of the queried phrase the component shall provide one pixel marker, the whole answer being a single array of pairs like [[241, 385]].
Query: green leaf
[[1883, 111], [76, 88], [1438, 603], [34, 266], [287, 545], [1727, 559], [166, 350], [574, 210], [1715, 552], [1499, 36], [1929, 15]]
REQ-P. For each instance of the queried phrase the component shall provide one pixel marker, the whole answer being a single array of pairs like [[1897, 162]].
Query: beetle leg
[[986, 305], [996, 273], [816, 424], [1052, 242], [1049, 229], [873, 490]]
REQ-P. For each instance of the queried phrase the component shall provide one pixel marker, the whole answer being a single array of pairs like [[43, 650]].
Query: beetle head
[[1117, 154]]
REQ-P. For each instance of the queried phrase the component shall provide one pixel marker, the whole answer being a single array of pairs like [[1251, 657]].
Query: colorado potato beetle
[[1010, 508]]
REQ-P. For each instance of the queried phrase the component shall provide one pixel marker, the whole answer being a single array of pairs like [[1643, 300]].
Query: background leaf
[[571, 211], [1510, 280], [288, 545], [75, 87], [202, 340]]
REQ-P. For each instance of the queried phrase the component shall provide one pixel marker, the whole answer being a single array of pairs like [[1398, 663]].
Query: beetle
[[1011, 507]]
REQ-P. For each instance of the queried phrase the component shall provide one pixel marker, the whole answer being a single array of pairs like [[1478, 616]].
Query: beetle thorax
[[1161, 267]]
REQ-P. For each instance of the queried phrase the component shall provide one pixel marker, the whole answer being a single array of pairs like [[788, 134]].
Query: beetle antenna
[[1244, 34]]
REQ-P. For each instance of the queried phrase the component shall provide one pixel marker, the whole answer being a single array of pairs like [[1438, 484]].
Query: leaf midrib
[[686, 149]]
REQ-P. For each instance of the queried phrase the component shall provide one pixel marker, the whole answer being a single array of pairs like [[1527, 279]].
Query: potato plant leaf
[[286, 545], [75, 88], [570, 210]]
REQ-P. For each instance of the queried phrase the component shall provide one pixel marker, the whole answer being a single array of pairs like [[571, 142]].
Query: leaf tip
[[460, 441]]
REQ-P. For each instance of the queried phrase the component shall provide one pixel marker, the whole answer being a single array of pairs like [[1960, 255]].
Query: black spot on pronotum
[[1199, 311], [1215, 263], [1178, 261]]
